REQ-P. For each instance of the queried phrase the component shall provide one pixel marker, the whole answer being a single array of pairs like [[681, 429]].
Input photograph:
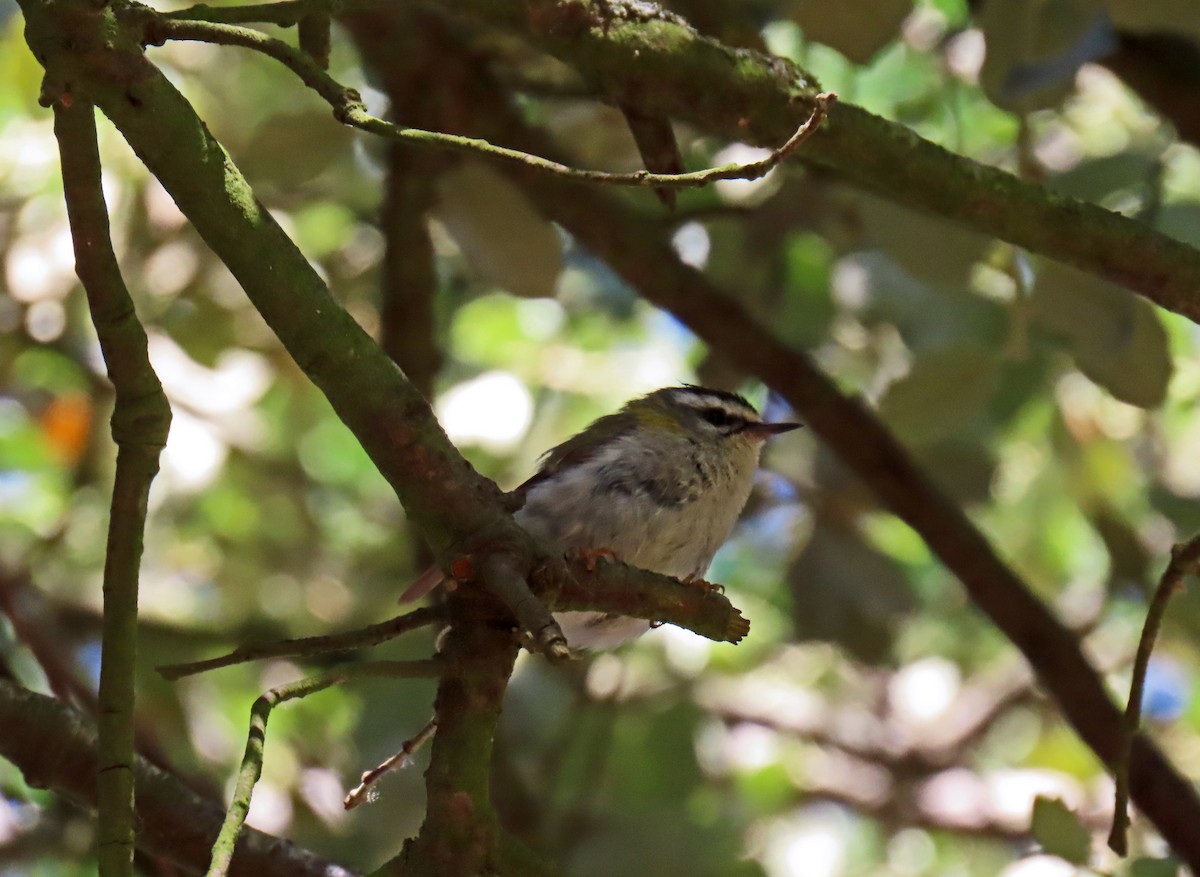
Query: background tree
[[879, 716]]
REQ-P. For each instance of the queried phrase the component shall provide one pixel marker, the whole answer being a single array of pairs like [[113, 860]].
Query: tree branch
[[461, 833], [408, 326], [46, 645], [620, 589], [561, 584], [349, 109], [55, 747], [140, 421], [640, 55], [408, 331], [637, 249], [286, 13], [451, 504], [309, 646], [363, 792], [92, 55]]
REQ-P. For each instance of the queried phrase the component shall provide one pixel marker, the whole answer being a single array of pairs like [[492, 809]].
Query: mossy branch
[[754, 97], [643, 56], [758, 98], [457, 510], [640, 251], [562, 584], [140, 421], [461, 833], [620, 589], [450, 503]]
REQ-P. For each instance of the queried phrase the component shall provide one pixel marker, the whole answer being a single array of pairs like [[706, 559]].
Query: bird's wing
[[580, 448], [573, 452]]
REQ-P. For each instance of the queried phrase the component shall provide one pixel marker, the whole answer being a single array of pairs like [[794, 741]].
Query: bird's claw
[[590, 556], [710, 587]]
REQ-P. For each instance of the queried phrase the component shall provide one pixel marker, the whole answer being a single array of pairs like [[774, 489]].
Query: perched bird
[[659, 485]]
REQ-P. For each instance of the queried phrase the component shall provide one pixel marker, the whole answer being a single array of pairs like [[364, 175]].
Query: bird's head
[[714, 416]]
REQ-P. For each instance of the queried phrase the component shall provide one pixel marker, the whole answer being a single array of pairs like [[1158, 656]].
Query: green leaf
[[943, 393], [1060, 831], [1180, 220], [502, 237], [1157, 16], [1116, 338], [1097, 177], [892, 295], [323, 227], [487, 331], [962, 468], [768, 788], [856, 28], [845, 591], [807, 309], [1168, 867], [288, 150], [1034, 48], [909, 237]]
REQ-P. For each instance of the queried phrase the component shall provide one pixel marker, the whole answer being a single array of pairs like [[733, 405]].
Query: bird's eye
[[716, 416]]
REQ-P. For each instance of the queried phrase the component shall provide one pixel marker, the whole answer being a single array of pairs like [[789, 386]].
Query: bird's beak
[[763, 431]]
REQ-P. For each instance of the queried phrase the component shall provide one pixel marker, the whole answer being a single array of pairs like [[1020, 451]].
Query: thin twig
[[361, 793], [286, 13], [252, 760], [1185, 561], [308, 646], [349, 109]]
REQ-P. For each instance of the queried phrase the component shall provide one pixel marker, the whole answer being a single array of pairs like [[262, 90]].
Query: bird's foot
[[710, 587], [590, 556]]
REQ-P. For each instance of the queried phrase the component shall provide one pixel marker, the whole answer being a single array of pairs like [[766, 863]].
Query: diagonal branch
[[90, 56], [866, 446], [451, 504], [140, 422], [754, 97], [637, 249]]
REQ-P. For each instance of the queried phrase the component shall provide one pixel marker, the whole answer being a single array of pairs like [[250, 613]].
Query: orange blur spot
[[67, 425]]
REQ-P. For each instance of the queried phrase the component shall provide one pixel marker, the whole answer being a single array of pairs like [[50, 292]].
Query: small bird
[[658, 485]]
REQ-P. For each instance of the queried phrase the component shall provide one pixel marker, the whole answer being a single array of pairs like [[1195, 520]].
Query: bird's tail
[[423, 584]]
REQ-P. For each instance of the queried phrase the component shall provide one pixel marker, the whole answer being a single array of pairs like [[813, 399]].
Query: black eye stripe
[[720, 417]]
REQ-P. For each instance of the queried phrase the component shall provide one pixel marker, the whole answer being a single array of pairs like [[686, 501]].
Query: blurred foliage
[[1060, 409]]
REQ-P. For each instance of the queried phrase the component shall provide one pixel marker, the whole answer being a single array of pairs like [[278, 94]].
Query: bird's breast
[[665, 515]]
